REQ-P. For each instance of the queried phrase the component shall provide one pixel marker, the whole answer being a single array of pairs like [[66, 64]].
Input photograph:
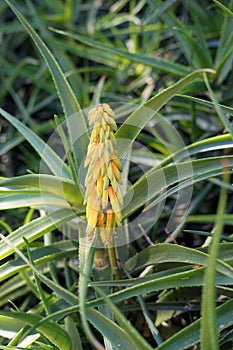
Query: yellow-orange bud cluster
[[103, 196]]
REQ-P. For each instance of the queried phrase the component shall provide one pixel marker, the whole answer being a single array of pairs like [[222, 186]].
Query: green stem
[[113, 261], [209, 330], [86, 257]]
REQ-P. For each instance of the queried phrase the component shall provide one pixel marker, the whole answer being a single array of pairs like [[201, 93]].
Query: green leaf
[[60, 187], [114, 333], [173, 68], [209, 334], [40, 256], [55, 163], [192, 49], [68, 100], [185, 174], [15, 140], [160, 281], [136, 339], [73, 333], [224, 53], [143, 114], [226, 109], [35, 229], [190, 335], [69, 297], [26, 199], [225, 121], [49, 329], [224, 8], [86, 258], [163, 253], [9, 326]]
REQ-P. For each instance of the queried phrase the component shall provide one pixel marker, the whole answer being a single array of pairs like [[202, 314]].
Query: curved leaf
[[63, 188], [206, 103], [154, 283], [68, 100], [136, 338], [224, 8], [55, 163], [117, 336], [25, 199], [138, 194], [49, 329], [143, 114], [69, 297], [190, 335], [173, 68], [163, 253], [40, 256], [35, 229]]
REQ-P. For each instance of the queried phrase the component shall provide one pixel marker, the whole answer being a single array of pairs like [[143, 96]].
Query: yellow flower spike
[[119, 196], [107, 131], [94, 157], [91, 187], [104, 126], [101, 134], [99, 186], [114, 185], [111, 123], [92, 116], [108, 110], [103, 170], [111, 136], [110, 172], [118, 218], [96, 169], [105, 199], [106, 156], [101, 220], [101, 149], [107, 234], [114, 201], [91, 148], [117, 162], [110, 222], [95, 134], [109, 147], [116, 171], [103, 195], [105, 182], [93, 201], [91, 220]]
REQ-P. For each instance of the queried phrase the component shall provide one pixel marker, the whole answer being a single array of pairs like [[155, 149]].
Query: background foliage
[[134, 52]]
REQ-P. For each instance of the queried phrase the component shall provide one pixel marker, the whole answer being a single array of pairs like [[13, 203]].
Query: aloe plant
[[57, 194]]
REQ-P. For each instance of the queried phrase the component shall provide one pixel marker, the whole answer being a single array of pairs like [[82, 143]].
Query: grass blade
[[133, 125], [148, 186], [49, 329], [55, 163], [63, 188], [136, 339], [209, 333], [190, 335], [68, 100], [173, 68], [118, 336], [225, 121], [223, 8], [35, 229]]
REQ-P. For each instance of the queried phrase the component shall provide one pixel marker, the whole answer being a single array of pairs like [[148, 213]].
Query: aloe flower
[[103, 196]]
